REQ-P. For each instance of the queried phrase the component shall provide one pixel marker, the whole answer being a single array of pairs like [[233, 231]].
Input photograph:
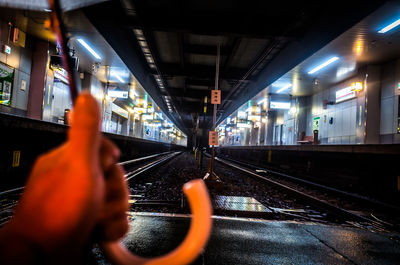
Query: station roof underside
[[259, 42]]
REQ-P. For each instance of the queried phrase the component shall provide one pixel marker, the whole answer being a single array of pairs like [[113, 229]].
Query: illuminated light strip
[[284, 88], [390, 27], [319, 67], [84, 44], [261, 101], [118, 77]]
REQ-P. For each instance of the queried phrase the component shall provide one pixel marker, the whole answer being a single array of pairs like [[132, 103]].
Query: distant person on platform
[[75, 196]]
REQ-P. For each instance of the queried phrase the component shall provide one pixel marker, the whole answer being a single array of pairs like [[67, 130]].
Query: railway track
[[133, 168], [149, 182], [316, 198]]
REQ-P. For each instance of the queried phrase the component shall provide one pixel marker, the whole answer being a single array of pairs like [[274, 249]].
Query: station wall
[[338, 121], [20, 59], [344, 122], [390, 93]]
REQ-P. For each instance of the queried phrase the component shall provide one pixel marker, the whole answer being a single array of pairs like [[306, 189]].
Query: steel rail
[[323, 205], [350, 195], [121, 163], [149, 166], [141, 158]]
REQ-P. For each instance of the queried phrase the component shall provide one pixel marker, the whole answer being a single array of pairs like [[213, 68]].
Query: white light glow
[[345, 94], [117, 94], [261, 101], [284, 88], [279, 105], [243, 125], [84, 44], [241, 115], [118, 77], [254, 118], [147, 117], [319, 67], [390, 27]]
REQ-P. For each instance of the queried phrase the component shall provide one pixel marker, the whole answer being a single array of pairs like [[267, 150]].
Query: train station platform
[[254, 241]]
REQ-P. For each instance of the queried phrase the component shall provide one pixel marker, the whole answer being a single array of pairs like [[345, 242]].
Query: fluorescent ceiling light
[[118, 77], [84, 44], [284, 88], [390, 27], [261, 101], [319, 67]]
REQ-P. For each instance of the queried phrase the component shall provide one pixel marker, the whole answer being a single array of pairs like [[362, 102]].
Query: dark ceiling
[[260, 41]]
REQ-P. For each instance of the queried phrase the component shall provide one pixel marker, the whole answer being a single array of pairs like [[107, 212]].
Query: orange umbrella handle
[[192, 245]]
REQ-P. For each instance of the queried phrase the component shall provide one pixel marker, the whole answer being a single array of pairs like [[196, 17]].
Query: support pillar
[[37, 80], [270, 128], [372, 105]]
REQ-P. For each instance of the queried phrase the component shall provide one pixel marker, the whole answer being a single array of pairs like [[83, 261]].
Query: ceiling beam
[[205, 50], [216, 24], [199, 71], [191, 93]]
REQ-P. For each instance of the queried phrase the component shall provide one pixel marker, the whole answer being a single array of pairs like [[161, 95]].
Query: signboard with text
[[215, 96], [213, 138], [279, 105], [345, 94]]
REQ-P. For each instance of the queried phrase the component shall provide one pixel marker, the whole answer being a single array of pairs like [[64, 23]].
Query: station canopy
[[66, 5]]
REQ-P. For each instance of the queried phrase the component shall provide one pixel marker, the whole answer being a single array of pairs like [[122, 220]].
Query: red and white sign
[[345, 94], [62, 75]]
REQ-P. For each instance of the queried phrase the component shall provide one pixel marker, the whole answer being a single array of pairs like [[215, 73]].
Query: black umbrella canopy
[[66, 5]]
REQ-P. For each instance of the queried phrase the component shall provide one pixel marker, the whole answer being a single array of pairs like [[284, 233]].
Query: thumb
[[84, 133]]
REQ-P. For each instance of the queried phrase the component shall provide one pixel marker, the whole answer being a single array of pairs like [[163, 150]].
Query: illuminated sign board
[[316, 121], [61, 74], [279, 105], [345, 94], [7, 49], [118, 110], [242, 115], [118, 94], [254, 118], [147, 117]]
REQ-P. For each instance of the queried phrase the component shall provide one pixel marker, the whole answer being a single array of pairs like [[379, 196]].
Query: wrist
[[14, 247]]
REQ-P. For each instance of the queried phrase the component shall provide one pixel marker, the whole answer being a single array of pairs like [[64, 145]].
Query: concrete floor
[[251, 241]]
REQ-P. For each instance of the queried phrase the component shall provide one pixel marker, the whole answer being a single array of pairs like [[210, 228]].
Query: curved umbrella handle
[[192, 245]]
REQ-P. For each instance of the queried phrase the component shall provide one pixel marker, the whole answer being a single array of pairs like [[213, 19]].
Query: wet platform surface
[[251, 241], [238, 203]]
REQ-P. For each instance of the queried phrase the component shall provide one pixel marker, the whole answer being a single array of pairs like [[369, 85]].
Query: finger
[[115, 229], [113, 220], [84, 133], [115, 186], [109, 154]]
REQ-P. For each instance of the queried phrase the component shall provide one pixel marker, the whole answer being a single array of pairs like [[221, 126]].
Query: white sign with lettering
[[345, 94]]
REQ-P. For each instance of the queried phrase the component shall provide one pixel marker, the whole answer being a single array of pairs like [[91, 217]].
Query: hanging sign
[[213, 138], [61, 74], [117, 94], [215, 96], [6, 83]]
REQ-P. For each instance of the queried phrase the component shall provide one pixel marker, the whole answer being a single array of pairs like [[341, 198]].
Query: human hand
[[71, 190]]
